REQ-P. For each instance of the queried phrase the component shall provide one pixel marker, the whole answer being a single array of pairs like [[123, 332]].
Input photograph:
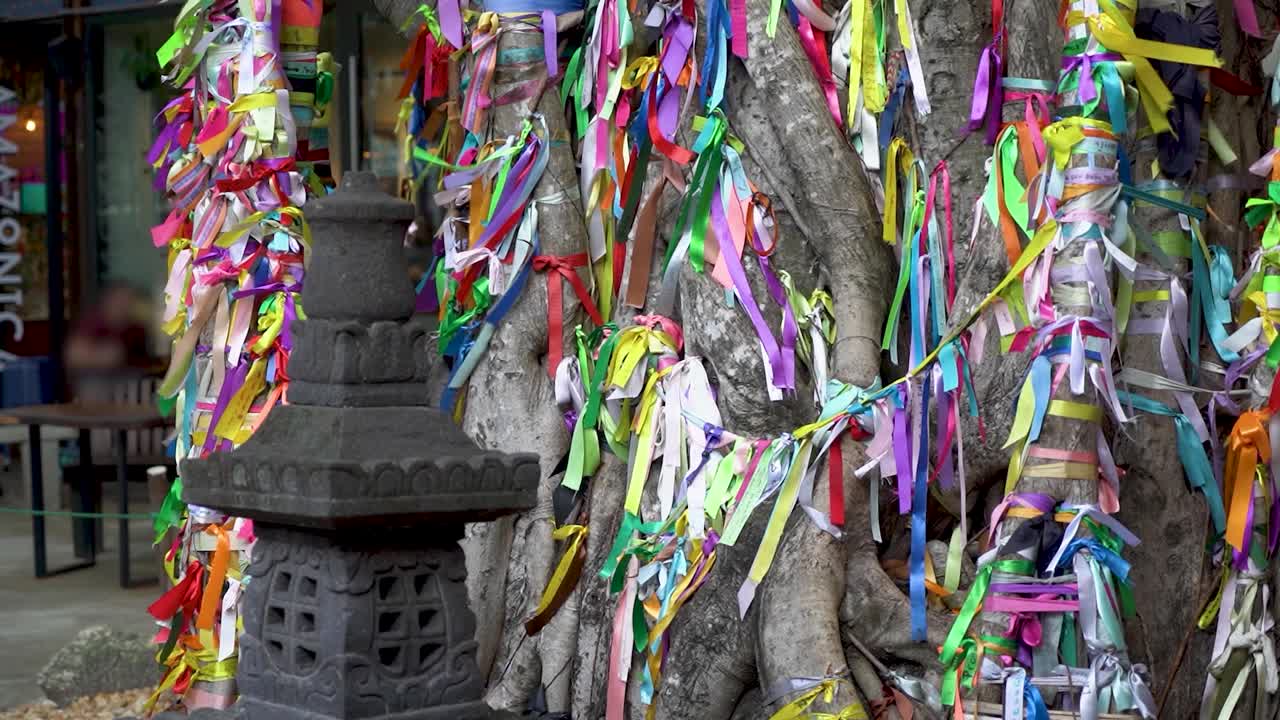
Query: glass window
[[128, 204], [380, 79]]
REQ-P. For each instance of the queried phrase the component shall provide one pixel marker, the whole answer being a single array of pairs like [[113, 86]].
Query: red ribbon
[[835, 481], [668, 148], [816, 50], [247, 176], [835, 471], [431, 59], [562, 267], [182, 596], [1232, 83], [948, 229]]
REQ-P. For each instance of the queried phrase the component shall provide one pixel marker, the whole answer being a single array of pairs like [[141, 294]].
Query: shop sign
[[10, 228]]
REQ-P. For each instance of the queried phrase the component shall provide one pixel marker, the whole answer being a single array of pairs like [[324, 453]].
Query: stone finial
[[357, 267]]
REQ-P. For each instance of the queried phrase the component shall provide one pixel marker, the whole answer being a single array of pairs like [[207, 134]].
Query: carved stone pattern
[[416, 485], [351, 352], [405, 640]]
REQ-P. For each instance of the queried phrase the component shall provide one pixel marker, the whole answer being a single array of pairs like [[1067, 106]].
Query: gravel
[[106, 706]]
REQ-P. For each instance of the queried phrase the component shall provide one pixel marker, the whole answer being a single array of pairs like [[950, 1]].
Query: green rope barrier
[[74, 514]]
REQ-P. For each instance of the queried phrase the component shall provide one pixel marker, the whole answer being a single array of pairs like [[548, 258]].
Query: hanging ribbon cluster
[[238, 153], [1245, 470], [630, 391], [1058, 197], [1083, 183]]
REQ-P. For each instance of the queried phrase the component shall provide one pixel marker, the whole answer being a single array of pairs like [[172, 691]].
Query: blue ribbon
[[1042, 386], [1118, 566], [461, 343], [891, 111], [714, 65], [919, 500], [1033, 703], [1195, 462]]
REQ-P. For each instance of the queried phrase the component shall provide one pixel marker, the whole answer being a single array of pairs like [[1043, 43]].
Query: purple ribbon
[[783, 376], [988, 92], [789, 327], [290, 314], [266, 289], [902, 455], [230, 384], [1034, 588], [1084, 63]]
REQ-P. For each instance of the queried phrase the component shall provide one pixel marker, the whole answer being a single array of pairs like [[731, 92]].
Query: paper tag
[[204, 542], [227, 626]]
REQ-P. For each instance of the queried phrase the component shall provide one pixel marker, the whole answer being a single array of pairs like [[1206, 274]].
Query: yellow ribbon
[[781, 511], [1074, 410], [826, 690], [232, 418], [1065, 134], [1270, 316], [644, 427], [203, 663], [1114, 31], [575, 535], [1066, 470], [637, 73], [898, 152], [857, 18], [874, 93]]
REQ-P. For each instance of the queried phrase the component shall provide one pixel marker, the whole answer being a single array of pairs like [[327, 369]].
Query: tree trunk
[[826, 601]]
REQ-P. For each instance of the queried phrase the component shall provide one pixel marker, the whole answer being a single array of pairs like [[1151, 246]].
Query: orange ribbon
[[1247, 446], [210, 601]]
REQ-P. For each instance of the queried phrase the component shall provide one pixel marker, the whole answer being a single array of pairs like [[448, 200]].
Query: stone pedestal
[[357, 603]]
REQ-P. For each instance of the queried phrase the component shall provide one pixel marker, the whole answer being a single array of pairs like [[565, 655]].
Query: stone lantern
[[356, 605]]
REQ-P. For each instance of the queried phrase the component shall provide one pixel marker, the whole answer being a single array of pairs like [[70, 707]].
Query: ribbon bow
[[1247, 446], [561, 268], [1259, 210], [244, 177]]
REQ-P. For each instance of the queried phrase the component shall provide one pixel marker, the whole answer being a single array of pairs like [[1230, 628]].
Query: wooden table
[[85, 416]]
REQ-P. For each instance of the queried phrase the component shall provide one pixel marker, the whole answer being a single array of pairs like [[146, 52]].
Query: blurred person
[[109, 335]]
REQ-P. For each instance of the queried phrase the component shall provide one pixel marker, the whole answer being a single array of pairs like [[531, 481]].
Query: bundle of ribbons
[[1025, 614], [1043, 617], [232, 158]]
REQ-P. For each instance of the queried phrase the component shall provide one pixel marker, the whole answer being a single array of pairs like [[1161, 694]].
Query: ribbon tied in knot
[[561, 268], [1247, 446]]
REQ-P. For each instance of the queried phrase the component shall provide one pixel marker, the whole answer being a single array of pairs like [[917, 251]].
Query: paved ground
[[37, 617]]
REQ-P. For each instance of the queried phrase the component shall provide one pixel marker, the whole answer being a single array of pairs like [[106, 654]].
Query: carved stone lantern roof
[[356, 443]]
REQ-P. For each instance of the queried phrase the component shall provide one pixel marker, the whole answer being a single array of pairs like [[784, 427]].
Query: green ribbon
[[1195, 465], [905, 269], [170, 513], [706, 174], [324, 88], [428, 14], [584, 448], [1260, 210], [1152, 198], [961, 651]]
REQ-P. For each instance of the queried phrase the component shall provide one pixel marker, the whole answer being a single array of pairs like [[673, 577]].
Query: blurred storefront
[[77, 203]]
